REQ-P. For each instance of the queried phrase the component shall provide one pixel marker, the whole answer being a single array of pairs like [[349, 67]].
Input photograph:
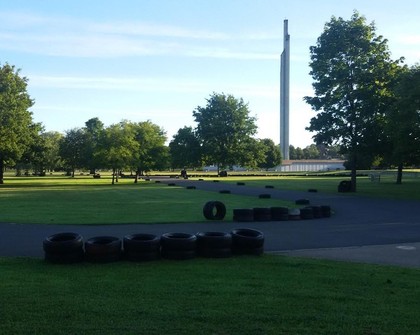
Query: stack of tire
[[279, 213], [247, 241], [64, 248], [69, 247], [214, 244], [178, 246], [141, 247], [103, 249]]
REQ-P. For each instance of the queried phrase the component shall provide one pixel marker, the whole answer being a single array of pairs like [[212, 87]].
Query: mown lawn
[[241, 295], [385, 188], [84, 200]]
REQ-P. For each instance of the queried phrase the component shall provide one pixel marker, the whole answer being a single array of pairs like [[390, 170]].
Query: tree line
[[367, 109], [224, 136]]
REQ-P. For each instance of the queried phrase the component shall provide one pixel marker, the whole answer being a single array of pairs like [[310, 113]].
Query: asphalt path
[[361, 229]]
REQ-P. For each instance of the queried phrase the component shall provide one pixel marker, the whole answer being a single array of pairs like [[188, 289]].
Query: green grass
[[241, 295], [386, 188], [84, 200]]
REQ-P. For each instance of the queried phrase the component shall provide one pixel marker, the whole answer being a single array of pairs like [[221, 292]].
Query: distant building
[[311, 165]]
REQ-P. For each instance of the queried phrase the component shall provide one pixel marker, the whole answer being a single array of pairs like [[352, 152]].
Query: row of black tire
[[71, 248], [281, 213]]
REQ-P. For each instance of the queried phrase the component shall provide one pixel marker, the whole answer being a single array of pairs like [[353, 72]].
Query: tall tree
[[15, 117], [151, 147], [72, 149], [272, 154], [93, 128], [404, 121], [185, 149], [352, 72], [224, 126], [118, 148]]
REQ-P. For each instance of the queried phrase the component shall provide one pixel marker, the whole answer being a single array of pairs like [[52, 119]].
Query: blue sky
[[158, 60]]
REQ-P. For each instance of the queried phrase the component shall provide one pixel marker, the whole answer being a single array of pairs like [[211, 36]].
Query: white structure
[[311, 165], [284, 94]]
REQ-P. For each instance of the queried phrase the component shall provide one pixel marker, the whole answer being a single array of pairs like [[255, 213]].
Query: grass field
[[241, 295], [84, 200]]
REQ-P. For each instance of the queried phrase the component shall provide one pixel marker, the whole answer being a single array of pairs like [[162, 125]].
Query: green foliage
[[352, 73], [72, 147], [16, 125], [272, 154], [242, 295], [152, 153], [185, 149], [224, 128]]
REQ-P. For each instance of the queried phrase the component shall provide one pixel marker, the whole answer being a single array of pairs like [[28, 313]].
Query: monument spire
[[284, 93]]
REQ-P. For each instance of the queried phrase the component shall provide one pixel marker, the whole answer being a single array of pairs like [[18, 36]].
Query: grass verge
[[242, 295], [83, 200]]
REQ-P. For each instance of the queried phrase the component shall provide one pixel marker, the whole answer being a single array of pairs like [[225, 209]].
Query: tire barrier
[[262, 214], [269, 186], [243, 215], [240, 183], [214, 244], [191, 187], [264, 196], [63, 248], [141, 247], [306, 213], [214, 210], [224, 191], [313, 190], [103, 249], [178, 246], [279, 213], [247, 242], [68, 247], [302, 202], [294, 214], [326, 211]]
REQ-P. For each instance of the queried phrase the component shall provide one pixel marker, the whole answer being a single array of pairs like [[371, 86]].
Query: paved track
[[361, 229]]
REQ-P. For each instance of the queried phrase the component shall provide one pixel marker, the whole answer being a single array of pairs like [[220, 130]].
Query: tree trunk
[[1, 171], [399, 173], [113, 177], [137, 176], [353, 173]]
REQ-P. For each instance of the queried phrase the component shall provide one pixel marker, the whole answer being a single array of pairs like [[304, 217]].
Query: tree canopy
[[224, 127], [16, 126], [353, 74]]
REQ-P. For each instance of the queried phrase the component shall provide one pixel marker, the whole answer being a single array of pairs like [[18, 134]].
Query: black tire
[[239, 183], [302, 202], [214, 240], [307, 213], [191, 187], [326, 211], [264, 196], [178, 254], [243, 215], [178, 241], [279, 213], [317, 211], [102, 249], [247, 238], [171, 184], [312, 190], [269, 186], [141, 243], [262, 214], [224, 191], [214, 210], [294, 214], [63, 243]]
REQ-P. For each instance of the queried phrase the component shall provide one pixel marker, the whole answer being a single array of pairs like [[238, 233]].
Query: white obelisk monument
[[284, 94]]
